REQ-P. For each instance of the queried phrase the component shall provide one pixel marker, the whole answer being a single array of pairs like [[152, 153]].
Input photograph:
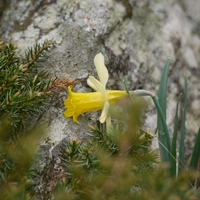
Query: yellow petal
[[101, 69], [104, 113], [96, 85], [108, 123], [91, 84]]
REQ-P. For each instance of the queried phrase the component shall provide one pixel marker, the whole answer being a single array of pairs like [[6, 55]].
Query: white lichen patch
[[48, 21], [26, 38], [55, 131]]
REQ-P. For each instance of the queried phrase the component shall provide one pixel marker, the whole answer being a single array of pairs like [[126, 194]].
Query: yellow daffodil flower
[[78, 103]]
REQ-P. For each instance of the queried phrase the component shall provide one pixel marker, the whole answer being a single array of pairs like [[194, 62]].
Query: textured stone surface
[[136, 38]]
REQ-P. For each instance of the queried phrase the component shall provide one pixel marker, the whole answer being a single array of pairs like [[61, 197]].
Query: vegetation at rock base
[[119, 164], [24, 95]]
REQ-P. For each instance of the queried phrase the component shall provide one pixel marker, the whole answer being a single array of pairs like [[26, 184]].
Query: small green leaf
[[182, 138], [163, 134], [174, 140], [196, 153], [165, 149]]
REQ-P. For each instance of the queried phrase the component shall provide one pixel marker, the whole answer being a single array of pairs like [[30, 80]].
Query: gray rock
[[136, 38]]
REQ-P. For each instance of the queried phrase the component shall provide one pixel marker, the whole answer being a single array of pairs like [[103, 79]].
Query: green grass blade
[[163, 136], [174, 139], [162, 92], [166, 147], [182, 138], [196, 153]]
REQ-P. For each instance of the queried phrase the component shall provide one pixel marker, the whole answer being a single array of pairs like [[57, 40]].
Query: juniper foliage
[[23, 85]]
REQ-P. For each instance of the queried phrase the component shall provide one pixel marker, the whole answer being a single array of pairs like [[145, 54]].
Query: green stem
[[164, 138]]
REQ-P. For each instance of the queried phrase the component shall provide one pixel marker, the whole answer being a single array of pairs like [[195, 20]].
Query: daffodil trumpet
[[78, 103]]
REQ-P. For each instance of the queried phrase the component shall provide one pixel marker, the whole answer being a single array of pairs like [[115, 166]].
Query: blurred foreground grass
[[120, 165], [17, 157]]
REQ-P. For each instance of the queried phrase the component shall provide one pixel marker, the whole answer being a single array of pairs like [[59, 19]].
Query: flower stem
[[165, 137]]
